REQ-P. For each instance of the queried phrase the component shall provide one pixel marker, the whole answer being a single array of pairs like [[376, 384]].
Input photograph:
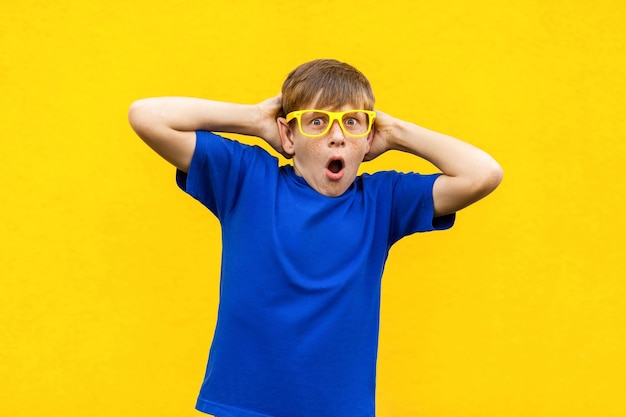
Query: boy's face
[[329, 163]]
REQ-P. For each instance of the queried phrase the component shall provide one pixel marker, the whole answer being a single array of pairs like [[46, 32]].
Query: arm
[[469, 173], [168, 124]]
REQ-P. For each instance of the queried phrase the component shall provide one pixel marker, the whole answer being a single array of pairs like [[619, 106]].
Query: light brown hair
[[326, 83]]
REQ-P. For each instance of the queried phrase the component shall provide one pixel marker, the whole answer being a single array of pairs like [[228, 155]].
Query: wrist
[[399, 135], [414, 139], [242, 118]]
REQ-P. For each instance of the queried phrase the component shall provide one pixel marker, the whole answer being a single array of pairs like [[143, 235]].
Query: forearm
[[168, 124], [450, 155], [186, 114], [469, 173]]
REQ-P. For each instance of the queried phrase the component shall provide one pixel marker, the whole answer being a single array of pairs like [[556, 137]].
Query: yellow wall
[[109, 273]]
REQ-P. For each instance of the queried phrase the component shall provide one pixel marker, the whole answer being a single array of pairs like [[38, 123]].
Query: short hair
[[326, 83]]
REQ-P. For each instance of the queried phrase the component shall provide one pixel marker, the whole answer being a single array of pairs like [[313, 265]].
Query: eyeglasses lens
[[316, 123]]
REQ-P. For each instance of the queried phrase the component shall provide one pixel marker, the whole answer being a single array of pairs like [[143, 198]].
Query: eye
[[351, 121], [317, 122]]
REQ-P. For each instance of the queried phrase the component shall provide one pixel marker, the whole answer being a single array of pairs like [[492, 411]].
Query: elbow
[[455, 193], [490, 179], [137, 115]]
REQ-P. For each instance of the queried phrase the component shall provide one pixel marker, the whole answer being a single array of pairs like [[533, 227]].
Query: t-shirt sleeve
[[413, 208], [217, 171]]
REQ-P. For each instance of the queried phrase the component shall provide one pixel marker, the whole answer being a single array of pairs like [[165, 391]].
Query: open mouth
[[335, 166], [335, 169]]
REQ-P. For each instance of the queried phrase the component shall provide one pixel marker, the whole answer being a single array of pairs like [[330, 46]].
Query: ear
[[370, 139], [286, 136]]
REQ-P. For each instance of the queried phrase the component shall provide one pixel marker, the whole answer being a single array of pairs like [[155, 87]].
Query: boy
[[304, 246]]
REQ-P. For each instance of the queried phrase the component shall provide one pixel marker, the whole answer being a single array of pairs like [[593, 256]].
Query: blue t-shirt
[[298, 318]]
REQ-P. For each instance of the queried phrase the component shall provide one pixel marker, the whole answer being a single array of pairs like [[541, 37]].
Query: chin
[[334, 193], [335, 189]]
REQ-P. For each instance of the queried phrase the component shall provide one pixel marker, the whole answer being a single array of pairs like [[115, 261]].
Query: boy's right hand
[[269, 111]]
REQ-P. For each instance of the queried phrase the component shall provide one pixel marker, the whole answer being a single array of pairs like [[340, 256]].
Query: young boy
[[304, 245]]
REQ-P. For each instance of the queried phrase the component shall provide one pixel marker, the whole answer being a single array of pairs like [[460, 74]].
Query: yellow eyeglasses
[[315, 123]]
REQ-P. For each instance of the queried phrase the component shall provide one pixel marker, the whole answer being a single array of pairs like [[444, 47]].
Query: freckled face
[[329, 163]]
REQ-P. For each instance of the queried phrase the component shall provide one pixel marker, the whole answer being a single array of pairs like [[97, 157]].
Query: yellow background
[[108, 285]]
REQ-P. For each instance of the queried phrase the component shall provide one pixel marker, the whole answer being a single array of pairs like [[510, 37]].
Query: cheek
[[307, 150], [313, 145], [359, 149]]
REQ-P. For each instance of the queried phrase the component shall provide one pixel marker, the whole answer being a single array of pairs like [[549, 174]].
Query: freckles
[[357, 148]]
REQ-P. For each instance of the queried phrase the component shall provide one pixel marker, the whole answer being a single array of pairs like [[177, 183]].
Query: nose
[[335, 135]]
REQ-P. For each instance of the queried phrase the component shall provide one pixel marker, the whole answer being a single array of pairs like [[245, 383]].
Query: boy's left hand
[[382, 135]]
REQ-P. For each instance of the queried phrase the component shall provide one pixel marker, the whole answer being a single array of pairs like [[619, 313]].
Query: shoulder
[[408, 198], [210, 145], [395, 181]]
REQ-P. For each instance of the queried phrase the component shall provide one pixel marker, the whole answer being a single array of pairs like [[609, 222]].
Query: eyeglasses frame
[[332, 116]]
